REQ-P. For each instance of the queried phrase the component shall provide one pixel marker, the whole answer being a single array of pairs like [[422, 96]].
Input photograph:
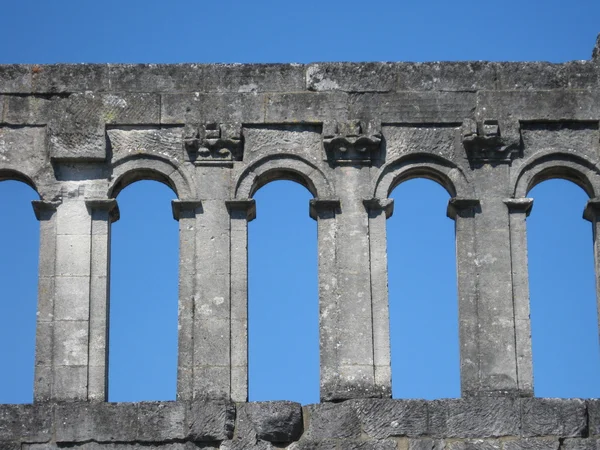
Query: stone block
[[15, 78], [207, 108], [553, 417], [164, 143], [306, 107], [161, 421], [532, 444], [474, 444], [352, 77], [426, 444], [210, 420], [244, 78], [332, 421], [76, 146], [29, 423], [413, 107], [483, 417], [446, 76], [28, 110], [593, 409], [385, 418], [72, 300], [103, 422], [306, 444], [531, 76], [580, 444], [66, 78], [368, 445], [70, 383], [276, 421]]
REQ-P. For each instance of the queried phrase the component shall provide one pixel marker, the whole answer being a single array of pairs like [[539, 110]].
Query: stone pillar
[[487, 326], [185, 212], [346, 315], [462, 211], [379, 210], [44, 373], [103, 212], [241, 212], [519, 209], [592, 213], [74, 266]]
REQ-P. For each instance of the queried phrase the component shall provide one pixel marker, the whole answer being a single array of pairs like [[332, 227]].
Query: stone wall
[[487, 132]]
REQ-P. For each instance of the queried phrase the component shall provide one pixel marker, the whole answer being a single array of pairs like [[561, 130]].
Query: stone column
[[592, 213], [519, 209], [241, 212], [103, 212], [185, 212], [462, 211], [379, 210], [74, 266], [44, 373]]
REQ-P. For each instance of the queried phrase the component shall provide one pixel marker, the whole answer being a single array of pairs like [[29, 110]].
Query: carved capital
[[185, 208], [376, 206], [319, 208], [485, 142], [519, 205], [214, 143], [592, 210], [44, 210], [104, 204], [352, 142], [462, 207], [242, 209]]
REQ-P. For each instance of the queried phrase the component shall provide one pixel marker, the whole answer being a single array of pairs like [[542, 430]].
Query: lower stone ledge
[[360, 424]]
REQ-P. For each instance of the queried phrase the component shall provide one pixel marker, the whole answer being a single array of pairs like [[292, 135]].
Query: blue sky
[[283, 289]]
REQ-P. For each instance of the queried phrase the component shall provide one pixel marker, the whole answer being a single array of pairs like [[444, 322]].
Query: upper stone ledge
[[265, 78]]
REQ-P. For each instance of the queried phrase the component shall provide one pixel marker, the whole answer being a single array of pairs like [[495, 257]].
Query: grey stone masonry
[[350, 133]]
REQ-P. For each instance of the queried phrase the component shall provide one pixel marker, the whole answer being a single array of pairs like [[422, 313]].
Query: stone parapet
[[368, 423]]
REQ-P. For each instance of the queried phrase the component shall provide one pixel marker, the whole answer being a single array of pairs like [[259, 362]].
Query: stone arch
[[132, 170], [282, 167], [421, 165], [550, 163], [11, 174]]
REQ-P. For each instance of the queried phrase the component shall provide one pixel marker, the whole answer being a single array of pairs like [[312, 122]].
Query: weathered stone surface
[[350, 77], [276, 421], [210, 420], [108, 422], [448, 76], [581, 444], [164, 421], [332, 421], [381, 419], [558, 417], [593, 408], [368, 445], [532, 444], [30, 423], [474, 444], [483, 417]]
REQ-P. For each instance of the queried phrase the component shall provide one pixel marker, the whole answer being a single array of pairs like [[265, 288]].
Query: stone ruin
[[348, 132]]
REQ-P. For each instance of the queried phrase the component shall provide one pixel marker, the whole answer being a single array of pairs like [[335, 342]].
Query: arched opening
[[143, 295], [423, 293], [283, 313], [564, 327], [19, 241]]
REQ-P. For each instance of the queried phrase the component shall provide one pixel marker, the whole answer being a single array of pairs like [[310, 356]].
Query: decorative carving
[[214, 143], [485, 143], [352, 142]]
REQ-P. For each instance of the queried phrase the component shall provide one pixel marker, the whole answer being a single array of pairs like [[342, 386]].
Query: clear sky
[[282, 240]]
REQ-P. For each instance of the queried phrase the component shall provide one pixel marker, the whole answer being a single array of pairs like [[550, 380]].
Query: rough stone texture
[[350, 133]]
